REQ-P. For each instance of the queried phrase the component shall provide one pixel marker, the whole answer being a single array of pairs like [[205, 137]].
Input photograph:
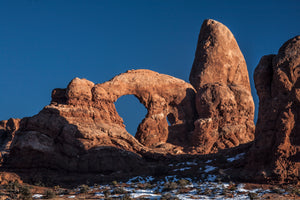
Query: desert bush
[[12, 186], [168, 196], [49, 194], [62, 192], [232, 186], [25, 193], [114, 183], [183, 190], [277, 190], [252, 195], [207, 191], [183, 182], [84, 188], [56, 188], [119, 190], [295, 191], [106, 193], [145, 186], [126, 197], [168, 186]]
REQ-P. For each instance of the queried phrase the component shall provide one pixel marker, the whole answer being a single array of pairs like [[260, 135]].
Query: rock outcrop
[[164, 97], [224, 102], [81, 130], [8, 129], [276, 152]]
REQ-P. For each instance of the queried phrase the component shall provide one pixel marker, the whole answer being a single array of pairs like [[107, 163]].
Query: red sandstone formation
[[8, 129], [276, 152], [81, 130], [163, 96], [224, 102]]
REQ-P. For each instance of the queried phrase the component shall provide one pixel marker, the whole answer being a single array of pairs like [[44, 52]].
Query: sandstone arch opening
[[170, 119], [132, 112]]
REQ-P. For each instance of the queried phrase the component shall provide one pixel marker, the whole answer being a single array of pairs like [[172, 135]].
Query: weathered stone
[[275, 154], [218, 58], [81, 130], [164, 97], [8, 129], [224, 102]]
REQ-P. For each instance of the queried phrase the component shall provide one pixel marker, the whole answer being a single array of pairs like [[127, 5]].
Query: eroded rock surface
[[81, 130], [8, 129], [163, 96], [276, 152], [224, 102]]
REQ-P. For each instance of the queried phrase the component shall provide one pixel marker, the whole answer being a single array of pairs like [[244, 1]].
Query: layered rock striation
[[276, 152], [223, 101]]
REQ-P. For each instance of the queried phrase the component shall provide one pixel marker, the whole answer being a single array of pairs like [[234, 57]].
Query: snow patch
[[209, 168], [211, 178], [37, 196], [182, 169], [237, 157]]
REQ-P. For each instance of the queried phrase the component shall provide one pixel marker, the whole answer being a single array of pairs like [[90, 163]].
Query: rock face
[[224, 102], [81, 130], [276, 152], [8, 129], [164, 97], [218, 58]]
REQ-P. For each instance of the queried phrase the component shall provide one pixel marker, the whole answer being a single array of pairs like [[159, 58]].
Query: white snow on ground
[[144, 193], [209, 168], [98, 194], [211, 178], [196, 189], [182, 169], [199, 190], [37, 196], [171, 178], [184, 163], [237, 157], [191, 163], [208, 161]]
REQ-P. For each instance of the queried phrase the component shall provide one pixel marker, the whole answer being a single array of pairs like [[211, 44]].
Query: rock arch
[[131, 111], [162, 95]]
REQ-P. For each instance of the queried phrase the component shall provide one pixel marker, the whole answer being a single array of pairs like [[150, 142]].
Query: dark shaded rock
[[275, 154]]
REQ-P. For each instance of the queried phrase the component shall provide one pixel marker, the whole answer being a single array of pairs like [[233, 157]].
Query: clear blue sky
[[46, 43]]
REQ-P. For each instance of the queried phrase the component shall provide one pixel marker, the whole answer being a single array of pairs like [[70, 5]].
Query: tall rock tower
[[224, 102]]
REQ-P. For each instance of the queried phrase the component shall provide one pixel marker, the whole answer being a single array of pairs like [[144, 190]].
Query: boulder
[[224, 102], [275, 154]]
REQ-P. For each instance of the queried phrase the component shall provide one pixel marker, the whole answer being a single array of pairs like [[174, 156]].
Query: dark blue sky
[[46, 43]]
